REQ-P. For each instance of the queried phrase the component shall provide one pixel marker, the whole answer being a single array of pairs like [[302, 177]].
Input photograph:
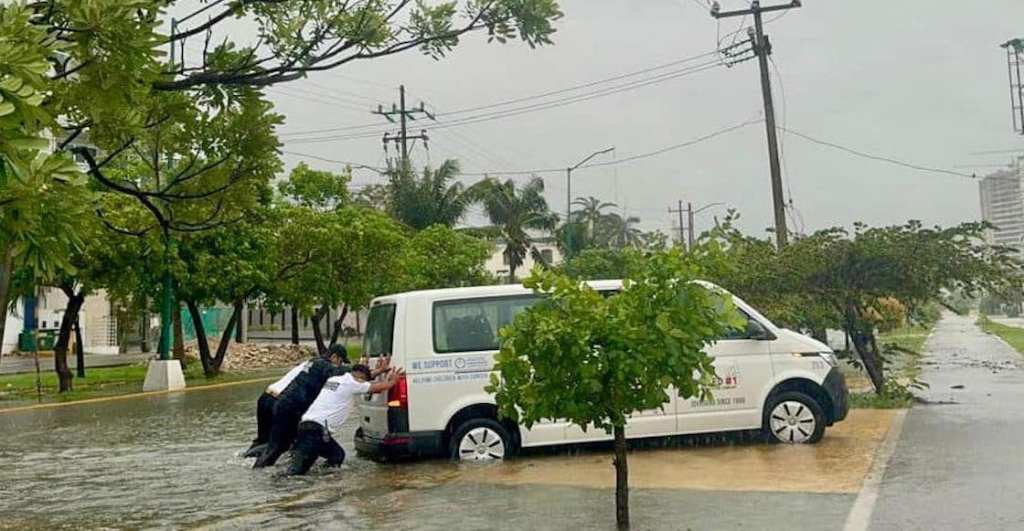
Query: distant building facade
[[498, 263], [1002, 205]]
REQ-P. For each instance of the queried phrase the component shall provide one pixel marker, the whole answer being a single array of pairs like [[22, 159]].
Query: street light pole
[[568, 195]]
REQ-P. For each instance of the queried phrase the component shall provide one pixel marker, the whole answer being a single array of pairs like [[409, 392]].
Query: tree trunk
[[60, 349], [239, 328], [866, 347], [234, 323], [821, 334], [318, 336], [621, 479], [201, 342], [6, 268], [295, 325], [338, 323], [144, 330], [79, 347], [179, 336]]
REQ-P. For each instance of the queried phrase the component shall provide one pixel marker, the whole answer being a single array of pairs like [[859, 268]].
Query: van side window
[[741, 331], [380, 331], [472, 325]]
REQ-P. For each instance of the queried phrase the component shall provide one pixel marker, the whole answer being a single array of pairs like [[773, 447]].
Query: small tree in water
[[596, 360]]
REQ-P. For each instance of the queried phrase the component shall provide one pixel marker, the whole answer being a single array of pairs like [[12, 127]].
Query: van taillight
[[398, 395]]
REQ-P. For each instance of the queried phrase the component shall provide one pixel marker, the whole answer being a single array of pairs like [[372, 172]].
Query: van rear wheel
[[480, 440], [794, 418]]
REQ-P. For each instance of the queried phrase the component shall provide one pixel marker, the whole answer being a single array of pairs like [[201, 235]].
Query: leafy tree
[[229, 264], [515, 212], [621, 232], [595, 360], [597, 264], [590, 214], [334, 259], [435, 198], [42, 196], [835, 278], [441, 257], [316, 189]]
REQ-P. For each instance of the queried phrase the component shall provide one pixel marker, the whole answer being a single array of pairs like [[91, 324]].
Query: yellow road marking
[[135, 395], [838, 464]]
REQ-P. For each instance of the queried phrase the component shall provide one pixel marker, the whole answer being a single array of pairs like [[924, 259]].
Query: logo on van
[[730, 380]]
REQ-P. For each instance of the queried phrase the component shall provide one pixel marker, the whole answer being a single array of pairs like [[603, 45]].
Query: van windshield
[[380, 331]]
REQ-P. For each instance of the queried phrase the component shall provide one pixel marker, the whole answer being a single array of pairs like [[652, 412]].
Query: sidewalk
[[23, 364], [959, 459]]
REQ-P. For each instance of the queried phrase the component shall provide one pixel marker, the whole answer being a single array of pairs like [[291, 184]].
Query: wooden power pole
[[763, 48]]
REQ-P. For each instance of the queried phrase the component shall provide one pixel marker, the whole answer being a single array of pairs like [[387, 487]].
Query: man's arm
[[383, 366], [379, 387]]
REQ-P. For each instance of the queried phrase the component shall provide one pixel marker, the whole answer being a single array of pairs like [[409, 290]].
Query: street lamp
[[693, 213], [568, 195]]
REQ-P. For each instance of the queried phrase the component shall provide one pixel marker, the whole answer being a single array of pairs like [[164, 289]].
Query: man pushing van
[[267, 401], [328, 412], [295, 399]]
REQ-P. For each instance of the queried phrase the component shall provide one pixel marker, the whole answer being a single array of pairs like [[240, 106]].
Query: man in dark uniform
[[324, 418], [295, 399], [266, 402]]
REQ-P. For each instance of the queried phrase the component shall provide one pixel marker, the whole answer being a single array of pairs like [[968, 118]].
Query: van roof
[[483, 291]]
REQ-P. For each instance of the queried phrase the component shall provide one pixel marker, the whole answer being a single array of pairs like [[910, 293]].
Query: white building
[[498, 263], [97, 319], [1003, 206]]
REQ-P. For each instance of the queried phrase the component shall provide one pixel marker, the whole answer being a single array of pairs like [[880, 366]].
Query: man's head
[[337, 355], [361, 373]]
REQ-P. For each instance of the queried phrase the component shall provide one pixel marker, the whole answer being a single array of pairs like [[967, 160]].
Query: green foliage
[[597, 264], [432, 199], [1013, 335], [320, 190], [515, 212], [594, 360], [441, 257]]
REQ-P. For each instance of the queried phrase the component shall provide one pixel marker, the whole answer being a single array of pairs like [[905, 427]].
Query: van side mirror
[[757, 331]]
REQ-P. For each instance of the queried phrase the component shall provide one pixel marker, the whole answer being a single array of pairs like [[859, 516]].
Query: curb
[[143, 394]]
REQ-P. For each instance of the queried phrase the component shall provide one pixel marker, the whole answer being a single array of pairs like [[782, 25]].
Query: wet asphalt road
[[959, 463]]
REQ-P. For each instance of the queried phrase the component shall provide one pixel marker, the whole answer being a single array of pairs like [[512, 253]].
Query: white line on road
[[860, 515]]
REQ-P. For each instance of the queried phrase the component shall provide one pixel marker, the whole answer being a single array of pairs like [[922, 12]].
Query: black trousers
[[311, 443], [282, 432], [264, 418]]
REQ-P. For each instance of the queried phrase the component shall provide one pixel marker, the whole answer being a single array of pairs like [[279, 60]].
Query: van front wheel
[[794, 418], [480, 440]]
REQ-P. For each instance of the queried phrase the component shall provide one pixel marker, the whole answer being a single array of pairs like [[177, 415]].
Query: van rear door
[[378, 342]]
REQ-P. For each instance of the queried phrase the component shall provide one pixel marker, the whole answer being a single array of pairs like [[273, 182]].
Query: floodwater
[[172, 461]]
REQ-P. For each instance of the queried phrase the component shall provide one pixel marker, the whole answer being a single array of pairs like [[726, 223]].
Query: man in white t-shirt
[[328, 412], [267, 400]]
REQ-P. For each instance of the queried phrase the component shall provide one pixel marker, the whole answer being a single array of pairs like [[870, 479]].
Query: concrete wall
[[498, 265]]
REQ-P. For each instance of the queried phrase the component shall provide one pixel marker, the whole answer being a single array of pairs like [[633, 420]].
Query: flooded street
[[172, 461]]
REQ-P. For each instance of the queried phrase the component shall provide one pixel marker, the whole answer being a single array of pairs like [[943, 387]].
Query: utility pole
[[689, 225], [404, 116], [682, 228], [763, 48]]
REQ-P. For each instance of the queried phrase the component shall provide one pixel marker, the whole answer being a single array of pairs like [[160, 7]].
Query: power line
[[537, 107], [505, 103], [877, 157], [641, 156]]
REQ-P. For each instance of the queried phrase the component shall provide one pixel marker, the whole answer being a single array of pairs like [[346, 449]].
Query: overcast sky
[[917, 80]]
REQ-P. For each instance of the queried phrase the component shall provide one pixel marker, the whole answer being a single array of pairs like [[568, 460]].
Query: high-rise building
[[1002, 205]]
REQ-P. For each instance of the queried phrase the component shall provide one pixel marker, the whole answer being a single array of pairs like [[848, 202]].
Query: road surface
[[959, 463]]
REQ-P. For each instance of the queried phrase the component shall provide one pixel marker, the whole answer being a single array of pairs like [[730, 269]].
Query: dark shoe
[[255, 450]]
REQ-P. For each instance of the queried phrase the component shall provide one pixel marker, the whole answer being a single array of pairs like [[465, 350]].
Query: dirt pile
[[253, 356]]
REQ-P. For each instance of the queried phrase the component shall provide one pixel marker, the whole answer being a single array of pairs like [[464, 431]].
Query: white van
[[767, 378]]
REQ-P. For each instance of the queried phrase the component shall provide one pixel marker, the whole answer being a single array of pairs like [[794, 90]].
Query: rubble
[[253, 356]]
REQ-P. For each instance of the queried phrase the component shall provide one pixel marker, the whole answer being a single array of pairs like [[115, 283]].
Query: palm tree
[[514, 213], [617, 231], [431, 199], [590, 214]]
